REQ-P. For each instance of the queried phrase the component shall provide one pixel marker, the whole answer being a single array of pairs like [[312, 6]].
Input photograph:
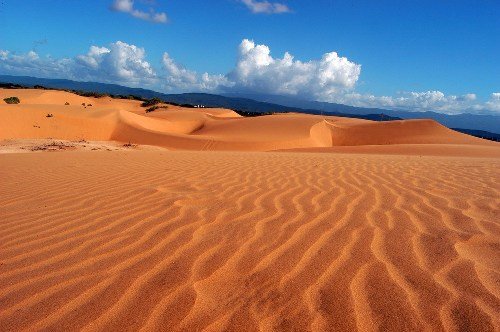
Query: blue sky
[[417, 55]]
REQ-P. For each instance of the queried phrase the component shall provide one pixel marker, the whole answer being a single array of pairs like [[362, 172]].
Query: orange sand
[[372, 235], [205, 129]]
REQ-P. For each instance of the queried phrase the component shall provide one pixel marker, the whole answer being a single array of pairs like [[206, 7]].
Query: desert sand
[[296, 222]]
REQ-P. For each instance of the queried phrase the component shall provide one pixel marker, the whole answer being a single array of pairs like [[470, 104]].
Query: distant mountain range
[[472, 123]]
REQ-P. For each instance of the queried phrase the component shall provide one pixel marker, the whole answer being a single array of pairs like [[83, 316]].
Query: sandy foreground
[[351, 225]]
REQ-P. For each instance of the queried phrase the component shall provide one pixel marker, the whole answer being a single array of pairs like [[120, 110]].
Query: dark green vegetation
[[151, 102], [12, 100], [252, 114], [154, 108]]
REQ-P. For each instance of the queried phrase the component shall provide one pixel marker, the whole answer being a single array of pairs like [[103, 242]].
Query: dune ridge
[[180, 128], [248, 241]]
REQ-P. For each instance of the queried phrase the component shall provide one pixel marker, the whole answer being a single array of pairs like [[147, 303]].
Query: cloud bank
[[330, 78], [127, 6], [423, 101], [118, 63], [266, 7]]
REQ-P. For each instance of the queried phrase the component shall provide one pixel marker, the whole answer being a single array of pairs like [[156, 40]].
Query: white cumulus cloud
[[127, 6], [257, 71], [266, 7], [120, 62]]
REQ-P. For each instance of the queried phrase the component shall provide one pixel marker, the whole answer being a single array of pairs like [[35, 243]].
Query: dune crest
[[204, 129]]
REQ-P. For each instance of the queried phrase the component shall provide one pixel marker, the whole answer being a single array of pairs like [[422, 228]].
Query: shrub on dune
[[91, 94], [12, 100], [152, 102], [154, 108]]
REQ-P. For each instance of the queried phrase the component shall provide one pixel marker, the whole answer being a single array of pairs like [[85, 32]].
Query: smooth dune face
[[248, 241], [349, 225]]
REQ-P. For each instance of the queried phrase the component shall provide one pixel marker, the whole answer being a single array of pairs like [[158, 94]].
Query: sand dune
[[204, 129], [248, 241], [378, 227]]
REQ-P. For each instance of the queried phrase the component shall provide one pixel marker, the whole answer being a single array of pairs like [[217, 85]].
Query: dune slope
[[180, 128], [248, 241]]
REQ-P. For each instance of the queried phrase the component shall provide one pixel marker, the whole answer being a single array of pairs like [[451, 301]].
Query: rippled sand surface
[[158, 240]]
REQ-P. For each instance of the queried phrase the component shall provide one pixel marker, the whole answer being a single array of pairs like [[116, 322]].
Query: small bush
[[252, 114], [50, 115], [89, 104], [132, 97], [154, 108], [152, 102], [83, 104], [66, 103], [91, 94], [12, 100], [12, 86]]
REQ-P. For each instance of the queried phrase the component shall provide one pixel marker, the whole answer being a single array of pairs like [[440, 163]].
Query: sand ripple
[[248, 241]]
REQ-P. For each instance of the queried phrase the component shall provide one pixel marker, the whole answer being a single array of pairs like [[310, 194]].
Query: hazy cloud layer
[[127, 6], [266, 7], [330, 78], [421, 101], [494, 103], [179, 78]]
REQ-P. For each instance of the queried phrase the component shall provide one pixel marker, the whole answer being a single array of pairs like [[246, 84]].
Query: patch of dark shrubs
[[252, 114], [182, 105], [12, 100], [90, 94], [11, 86], [50, 115], [66, 103], [154, 108], [129, 145], [152, 102], [129, 97]]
